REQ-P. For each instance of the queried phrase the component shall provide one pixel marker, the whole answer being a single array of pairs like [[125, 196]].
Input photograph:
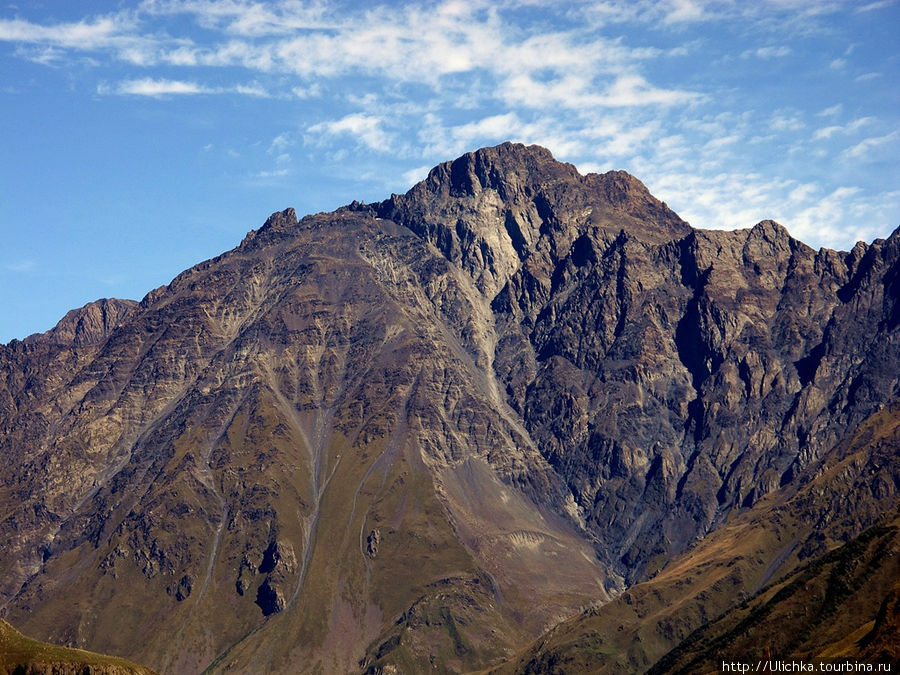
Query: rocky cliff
[[669, 375], [418, 433]]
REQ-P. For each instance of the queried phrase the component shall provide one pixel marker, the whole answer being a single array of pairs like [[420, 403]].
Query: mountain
[[813, 614], [418, 434], [790, 577]]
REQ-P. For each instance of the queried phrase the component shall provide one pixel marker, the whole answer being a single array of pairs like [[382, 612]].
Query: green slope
[[835, 607], [22, 654]]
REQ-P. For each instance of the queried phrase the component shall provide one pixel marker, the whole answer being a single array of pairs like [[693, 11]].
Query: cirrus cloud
[[664, 89]]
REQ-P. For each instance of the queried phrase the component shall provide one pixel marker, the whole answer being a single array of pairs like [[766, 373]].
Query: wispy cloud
[[865, 148], [20, 266], [161, 88], [246, 90], [426, 81], [93, 34], [829, 131], [405, 44], [767, 52], [831, 111], [274, 173], [251, 19], [150, 87], [47, 55], [116, 34], [872, 6], [786, 120], [416, 174], [684, 10], [366, 129]]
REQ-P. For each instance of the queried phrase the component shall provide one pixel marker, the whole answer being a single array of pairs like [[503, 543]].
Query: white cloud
[[20, 266], [786, 120], [880, 4], [415, 175], [275, 173], [366, 129], [312, 91], [826, 132], [829, 131], [865, 148], [427, 81], [247, 90], [78, 35], [803, 192], [823, 219], [116, 33], [832, 111], [767, 52], [251, 19], [717, 144], [161, 88], [404, 43], [634, 90], [150, 87], [47, 55], [280, 143], [495, 126], [684, 10]]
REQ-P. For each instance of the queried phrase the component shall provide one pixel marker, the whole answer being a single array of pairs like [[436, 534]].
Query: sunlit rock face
[[423, 431]]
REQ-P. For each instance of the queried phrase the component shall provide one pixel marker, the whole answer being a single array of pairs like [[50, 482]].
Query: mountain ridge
[[428, 428]]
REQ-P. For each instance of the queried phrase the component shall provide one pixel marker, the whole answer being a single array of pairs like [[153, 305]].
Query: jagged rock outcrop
[[422, 431], [89, 325], [669, 375], [757, 582]]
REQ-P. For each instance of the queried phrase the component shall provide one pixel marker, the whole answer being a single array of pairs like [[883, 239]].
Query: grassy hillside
[[835, 607], [21, 654]]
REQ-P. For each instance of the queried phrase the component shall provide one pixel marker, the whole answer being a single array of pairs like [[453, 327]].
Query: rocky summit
[[418, 435]]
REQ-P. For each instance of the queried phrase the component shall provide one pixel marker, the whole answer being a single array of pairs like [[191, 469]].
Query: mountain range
[[517, 419]]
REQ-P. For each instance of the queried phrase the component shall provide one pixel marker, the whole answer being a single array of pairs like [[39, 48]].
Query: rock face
[[419, 432], [668, 375], [795, 587]]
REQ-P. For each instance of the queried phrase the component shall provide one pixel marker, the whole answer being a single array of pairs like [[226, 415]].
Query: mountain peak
[[88, 325], [505, 168], [491, 209]]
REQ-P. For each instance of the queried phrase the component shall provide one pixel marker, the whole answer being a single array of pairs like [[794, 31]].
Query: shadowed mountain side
[[668, 375], [835, 499]]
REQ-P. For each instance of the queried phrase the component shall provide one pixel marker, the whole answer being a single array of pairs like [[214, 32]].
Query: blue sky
[[141, 137]]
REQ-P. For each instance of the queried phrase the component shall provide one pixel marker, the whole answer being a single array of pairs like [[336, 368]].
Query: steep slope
[[669, 375], [418, 433], [833, 608], [801, 525], [288, 442]]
